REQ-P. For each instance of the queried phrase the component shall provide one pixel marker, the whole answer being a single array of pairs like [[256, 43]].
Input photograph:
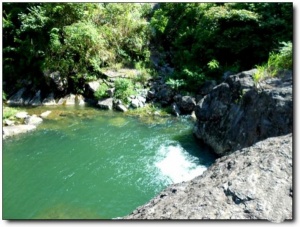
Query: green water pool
[[84, 163]]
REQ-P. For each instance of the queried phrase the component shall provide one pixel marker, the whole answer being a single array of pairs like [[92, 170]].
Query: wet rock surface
[[252, 183]]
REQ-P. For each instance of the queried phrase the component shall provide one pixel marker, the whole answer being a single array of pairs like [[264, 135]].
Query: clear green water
[[84, 163]]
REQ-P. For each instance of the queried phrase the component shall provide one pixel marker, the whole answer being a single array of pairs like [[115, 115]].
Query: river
[[84, 163]]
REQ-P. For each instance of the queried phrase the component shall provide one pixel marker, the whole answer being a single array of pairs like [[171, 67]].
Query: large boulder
[[49, 100], [9, 131], [36, 100], [186, 104], [238, 113], [93, 85], [106, 104], [21, 115], [33, 120], [252, 183], [17, 98]]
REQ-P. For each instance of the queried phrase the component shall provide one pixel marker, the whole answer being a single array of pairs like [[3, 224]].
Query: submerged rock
[[252, 183]]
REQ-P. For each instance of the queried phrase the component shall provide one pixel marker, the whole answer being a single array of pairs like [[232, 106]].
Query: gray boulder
[[135, 103], [252, 183], [9, 131], [49, 100], [17, 98], [238, 113], [80, 100], [21, 115], [70, 99], [93, 85], [187, 104], [45, 114], [36, 100], [8, 122], [33, 120], [106, 104], [121, 108]]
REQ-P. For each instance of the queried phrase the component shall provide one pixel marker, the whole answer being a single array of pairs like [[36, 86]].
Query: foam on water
[[177, 164]]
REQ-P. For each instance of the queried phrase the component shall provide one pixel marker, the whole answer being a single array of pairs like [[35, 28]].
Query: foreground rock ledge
[[252, 183]]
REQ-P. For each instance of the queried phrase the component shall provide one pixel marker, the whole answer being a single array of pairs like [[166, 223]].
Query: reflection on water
[[83, 163]]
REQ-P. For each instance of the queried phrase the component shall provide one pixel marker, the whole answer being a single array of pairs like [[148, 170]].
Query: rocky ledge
[[251, 183], [240, 112]]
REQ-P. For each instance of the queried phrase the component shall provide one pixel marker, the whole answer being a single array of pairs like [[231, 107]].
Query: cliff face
[[238, 113], [252, 183]]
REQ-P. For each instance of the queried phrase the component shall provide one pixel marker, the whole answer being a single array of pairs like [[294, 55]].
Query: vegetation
[[200, 41], [101, 91], [9, 112], [124, 88], [277, 62], [205, 40]]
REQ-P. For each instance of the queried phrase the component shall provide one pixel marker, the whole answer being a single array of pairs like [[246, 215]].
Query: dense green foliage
[[101, 92], [200, 40], [124, 88], [76, 39], [206, 39]]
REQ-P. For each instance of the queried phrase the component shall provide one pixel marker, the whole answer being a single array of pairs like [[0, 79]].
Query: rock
[[21, 115], [207, 87], [121, 108], [106, 104], [8, 122], [165, 95], [252, 183], [61, 101], [9, 131], [70, 99], [135, 103], [36, 100], [67, 100], [93, 86], [187, 104], [49, 101], [17, 98], [45, 114], [141, 99], [237, 114], [80, 100], [110, 92], [60, 82], [33, 120], [175, 109]]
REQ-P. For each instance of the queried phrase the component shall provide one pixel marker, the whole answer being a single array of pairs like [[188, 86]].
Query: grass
[[9, 112], [276, 62]]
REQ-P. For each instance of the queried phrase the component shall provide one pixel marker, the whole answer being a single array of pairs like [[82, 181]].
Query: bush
[[9, 112], [101, 91], [124, 88]]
